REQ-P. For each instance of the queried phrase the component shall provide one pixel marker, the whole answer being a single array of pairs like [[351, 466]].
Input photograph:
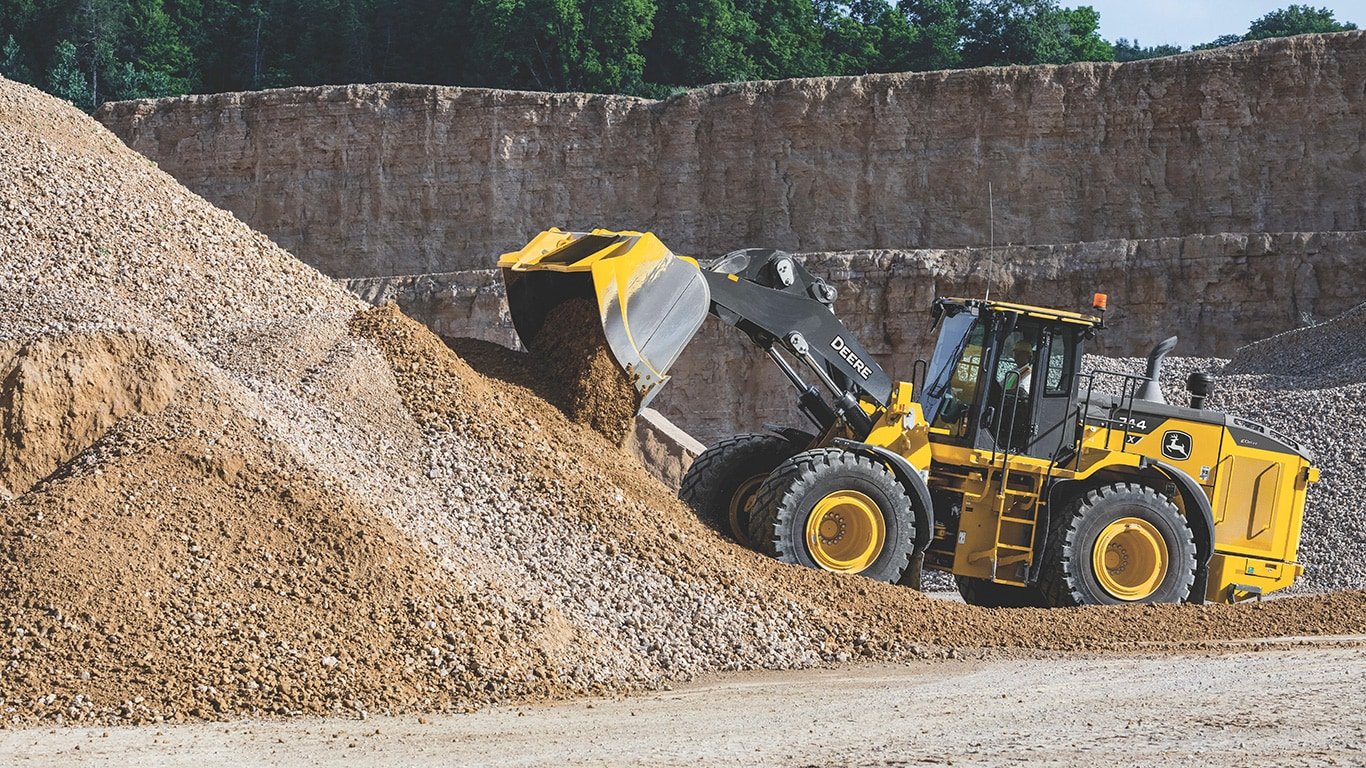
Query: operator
[[1023, 353]]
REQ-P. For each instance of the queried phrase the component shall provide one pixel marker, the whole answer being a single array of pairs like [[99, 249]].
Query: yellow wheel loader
[[1031, 481]]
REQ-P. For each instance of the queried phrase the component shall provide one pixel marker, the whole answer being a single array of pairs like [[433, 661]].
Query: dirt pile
[[174, 544], [248, 496], [185, 567]]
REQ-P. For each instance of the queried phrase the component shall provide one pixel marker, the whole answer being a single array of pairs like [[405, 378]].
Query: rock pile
[[231, 489]]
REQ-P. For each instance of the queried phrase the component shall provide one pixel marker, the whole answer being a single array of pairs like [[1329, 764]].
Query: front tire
[[1121, 543], [837, 511], [722, 481]]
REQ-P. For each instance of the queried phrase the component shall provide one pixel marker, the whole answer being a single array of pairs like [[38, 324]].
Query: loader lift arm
[[777, 303]]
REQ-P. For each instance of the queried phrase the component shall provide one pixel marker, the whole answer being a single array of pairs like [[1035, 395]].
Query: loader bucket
[[650, 301]]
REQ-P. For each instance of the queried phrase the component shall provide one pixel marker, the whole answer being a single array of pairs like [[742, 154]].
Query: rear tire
[[1121, 543], [837, 511], [722, 481], [984, 593]]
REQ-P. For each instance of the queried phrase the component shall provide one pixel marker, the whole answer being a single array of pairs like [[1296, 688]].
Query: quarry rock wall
[[370, 180], [1216, 292]]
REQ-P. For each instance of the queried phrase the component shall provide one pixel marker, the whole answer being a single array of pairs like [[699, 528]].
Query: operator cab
[[1003, 377]]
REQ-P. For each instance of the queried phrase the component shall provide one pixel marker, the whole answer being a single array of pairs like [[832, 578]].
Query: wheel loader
[[1004, 463]]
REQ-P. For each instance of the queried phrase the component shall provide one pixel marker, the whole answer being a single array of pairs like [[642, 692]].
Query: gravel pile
[[231, 490]]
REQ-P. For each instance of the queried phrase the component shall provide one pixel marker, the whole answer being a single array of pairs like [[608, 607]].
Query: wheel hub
[[845, 531], [1130, 559], [832, 528], [741, 502]]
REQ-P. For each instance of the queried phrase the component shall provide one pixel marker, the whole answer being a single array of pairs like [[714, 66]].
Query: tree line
[[92, 51]]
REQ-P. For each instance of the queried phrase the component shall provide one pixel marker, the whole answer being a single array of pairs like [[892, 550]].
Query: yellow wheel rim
[[845, 532], [737, 515], [1130, 559]]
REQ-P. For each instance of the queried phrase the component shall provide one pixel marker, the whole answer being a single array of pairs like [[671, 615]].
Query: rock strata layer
[[369, 180]]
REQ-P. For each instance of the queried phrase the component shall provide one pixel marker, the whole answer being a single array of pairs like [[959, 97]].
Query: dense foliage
[[1291, 20], [91, 51]]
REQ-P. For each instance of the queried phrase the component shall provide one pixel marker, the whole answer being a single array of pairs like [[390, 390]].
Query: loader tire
[[984, 593], [837, 511], [1121, 543], [722, 481]]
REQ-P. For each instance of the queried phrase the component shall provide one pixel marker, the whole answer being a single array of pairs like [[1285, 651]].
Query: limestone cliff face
[[1216, 292], [395, 179]]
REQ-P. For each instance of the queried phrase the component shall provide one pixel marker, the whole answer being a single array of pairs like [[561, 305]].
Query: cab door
[[1053, 427], [1030, 392]]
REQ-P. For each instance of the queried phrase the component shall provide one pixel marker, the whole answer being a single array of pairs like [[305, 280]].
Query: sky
[[1189, 22]]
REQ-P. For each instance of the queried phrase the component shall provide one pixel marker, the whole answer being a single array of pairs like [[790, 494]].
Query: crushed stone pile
[[1334, 351], [1310, 385], [230, 489]]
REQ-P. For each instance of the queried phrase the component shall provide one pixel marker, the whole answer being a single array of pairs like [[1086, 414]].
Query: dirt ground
[[1287, 702]]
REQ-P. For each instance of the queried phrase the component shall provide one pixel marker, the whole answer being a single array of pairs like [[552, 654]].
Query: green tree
[[1003, 32], [1078, 35], [938, 29], [788, 41], [699, 41], [1218, 42], [97, 26], [524, 43], [1295, 20], [614, 31], [160, 62], [852, 39], [12, 61], [1132, 51], [560, 45], [65, 79]]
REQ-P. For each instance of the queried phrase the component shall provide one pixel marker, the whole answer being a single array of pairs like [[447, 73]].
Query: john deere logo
[[1176, 445]]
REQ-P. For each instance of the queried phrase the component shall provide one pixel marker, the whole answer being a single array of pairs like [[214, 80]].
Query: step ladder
[[1017, 513]]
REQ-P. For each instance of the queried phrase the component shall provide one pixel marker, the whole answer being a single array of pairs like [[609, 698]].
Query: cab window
[[1059, 352], [962, 385]]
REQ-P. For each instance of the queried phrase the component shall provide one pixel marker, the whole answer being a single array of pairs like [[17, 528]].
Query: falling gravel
[[231, 490], [585, 381]]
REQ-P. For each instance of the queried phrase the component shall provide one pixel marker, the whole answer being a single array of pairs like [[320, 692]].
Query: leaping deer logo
[[1176, 445]]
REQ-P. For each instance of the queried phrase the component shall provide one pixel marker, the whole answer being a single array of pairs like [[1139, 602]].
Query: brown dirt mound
[[59, 396], [587, 384], [188, 565]]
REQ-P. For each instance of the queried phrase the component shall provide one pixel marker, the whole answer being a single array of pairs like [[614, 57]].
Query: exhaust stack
[[1151, 390]]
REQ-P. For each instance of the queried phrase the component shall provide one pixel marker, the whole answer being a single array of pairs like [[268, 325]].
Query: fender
[[798, 437], [909, 478], [1200, 517]]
